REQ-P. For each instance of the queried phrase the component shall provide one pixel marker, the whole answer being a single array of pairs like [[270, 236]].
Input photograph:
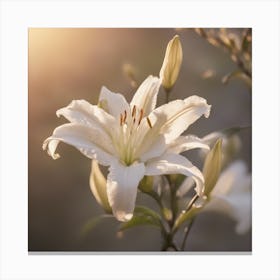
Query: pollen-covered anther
[[149, 122], [141, 116], [133, 111], [125, 115], [121, 119]]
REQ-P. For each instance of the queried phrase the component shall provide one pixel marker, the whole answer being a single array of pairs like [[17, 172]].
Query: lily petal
[[114, 103], [241, 204], [83, 113], [185, 143], [176, 116], [93, 143], [146, 95], [153, 149], [233, 179], [122, 183], [232, 195], [238, 207], [185, 187], [176, 164]]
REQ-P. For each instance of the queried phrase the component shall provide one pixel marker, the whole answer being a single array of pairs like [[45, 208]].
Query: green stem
[[169, 243], [187, 231], [173, 201], [189, 206], [156, 197], [167, 95]]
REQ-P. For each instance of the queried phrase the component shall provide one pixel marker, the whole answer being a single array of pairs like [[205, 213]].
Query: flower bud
[[230, 147], [146, 184], [212, 167], [98, 186], [172, 63]]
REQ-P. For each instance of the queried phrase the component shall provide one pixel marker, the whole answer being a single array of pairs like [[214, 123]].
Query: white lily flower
[[133, 139], [231, 195]]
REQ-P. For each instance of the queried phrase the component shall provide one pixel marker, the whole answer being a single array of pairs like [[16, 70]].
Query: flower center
[[131, 133]]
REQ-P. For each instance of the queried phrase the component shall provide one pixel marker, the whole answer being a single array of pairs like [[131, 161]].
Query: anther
[[121, 120], [141, 116], [149, 122], [125, 114], [133, 111]]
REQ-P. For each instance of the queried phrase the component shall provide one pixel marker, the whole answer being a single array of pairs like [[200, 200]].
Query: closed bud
[[230, 147], [98, 186], [172, 63], [146, 184], [212, 167]]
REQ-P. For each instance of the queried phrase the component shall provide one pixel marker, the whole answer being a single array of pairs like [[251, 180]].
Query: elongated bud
[[212, 167], [231, 143], [172, 63], [98, 186]]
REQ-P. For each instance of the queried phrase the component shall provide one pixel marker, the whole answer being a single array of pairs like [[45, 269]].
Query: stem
[[192, 201], [169, 243], [168, 238], [173, 201], [167, 95], [189, 206], [156, 197], [187, 231]]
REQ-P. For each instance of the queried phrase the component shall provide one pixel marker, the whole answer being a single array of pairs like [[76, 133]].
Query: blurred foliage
[[238, 45]]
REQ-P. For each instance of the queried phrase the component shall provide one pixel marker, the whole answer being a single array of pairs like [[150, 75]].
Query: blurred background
[[67, 64]]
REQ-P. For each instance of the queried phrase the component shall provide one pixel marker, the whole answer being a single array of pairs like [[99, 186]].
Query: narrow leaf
[[92, 223], [142, 216]]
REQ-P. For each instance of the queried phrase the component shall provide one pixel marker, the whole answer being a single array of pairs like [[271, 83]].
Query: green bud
[[146, 184], [212, 167], [167, 213], [172, 63], [98, 186], [231, 143]]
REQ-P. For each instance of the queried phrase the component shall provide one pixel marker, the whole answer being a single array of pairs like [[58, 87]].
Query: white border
[[17, 16]]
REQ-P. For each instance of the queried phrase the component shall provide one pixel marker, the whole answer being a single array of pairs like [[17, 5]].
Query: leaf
[[142, 216], [92, 223]]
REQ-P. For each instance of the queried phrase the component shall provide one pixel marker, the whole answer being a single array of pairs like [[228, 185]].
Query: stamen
[[125, 114], [141, 116], [149, 122], [133, 111], [134, 120]]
